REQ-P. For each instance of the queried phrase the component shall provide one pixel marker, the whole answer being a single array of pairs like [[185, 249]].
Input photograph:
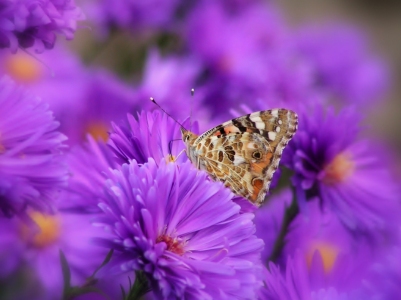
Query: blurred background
[[123, 51], [234, 52]]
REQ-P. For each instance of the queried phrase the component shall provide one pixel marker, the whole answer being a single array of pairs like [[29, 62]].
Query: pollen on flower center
[[340, 168], [23, 68], [328, 253], [48, 232], [173, 244], [98, 131]]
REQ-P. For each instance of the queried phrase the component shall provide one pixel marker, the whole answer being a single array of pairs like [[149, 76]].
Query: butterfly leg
[[173, 159]]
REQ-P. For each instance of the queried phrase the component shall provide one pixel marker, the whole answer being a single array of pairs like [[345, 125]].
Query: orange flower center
[[2, 148], [48, 230], [98, 131], [340, 168], [173, 244], [328, 253], [23, 68]]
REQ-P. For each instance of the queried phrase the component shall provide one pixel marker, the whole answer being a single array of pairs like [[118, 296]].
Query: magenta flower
[[32, 168], [34, 23], [182, 230]]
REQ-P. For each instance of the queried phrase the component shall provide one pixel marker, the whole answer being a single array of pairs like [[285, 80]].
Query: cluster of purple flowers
[[89, 164]]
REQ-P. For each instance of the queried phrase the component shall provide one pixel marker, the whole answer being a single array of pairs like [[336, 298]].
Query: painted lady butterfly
[[244, 152]]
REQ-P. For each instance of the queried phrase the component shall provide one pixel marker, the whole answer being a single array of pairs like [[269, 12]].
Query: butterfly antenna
[[190, 113], [154, 101]]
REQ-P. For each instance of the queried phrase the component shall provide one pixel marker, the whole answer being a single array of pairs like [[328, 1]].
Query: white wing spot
[[278, 129], [280, 122], [238, 160], [275, 113], [258, 122], [272, 135]]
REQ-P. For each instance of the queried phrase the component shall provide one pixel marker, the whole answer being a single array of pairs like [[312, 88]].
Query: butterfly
[[243, 153]]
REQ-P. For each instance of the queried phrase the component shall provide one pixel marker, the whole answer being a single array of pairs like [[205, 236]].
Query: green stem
[[289, 215], [140, 287]]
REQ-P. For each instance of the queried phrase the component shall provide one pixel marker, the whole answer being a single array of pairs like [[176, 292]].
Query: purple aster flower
[[183, 231], [132, 15], [341, 63], [160, 81], [34, 249], [384, 276], [89, 166], [346, 175], [35, 23], [31, 162], [300, 280], [236, 72], [147, 137], [268, 220], [84, 101]]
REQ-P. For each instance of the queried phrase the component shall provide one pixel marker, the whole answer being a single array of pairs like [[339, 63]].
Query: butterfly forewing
[[244, 152]]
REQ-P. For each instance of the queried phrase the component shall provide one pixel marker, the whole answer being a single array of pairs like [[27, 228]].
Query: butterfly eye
[[257, 155]]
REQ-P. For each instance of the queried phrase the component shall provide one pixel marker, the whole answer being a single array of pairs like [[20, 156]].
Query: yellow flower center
[[340, 168], [23, 68], [98, 131], [47, 232], [173, 244], [328, 253]]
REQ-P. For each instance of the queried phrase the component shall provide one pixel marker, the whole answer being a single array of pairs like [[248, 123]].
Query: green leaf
[[105, 262], [65, 268]]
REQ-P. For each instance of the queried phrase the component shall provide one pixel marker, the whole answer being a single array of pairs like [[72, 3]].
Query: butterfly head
[[187, 136]]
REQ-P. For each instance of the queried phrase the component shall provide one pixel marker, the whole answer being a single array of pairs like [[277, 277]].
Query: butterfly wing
[[245, 152]]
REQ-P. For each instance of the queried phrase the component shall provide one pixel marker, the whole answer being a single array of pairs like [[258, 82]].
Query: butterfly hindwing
[[244, 152]]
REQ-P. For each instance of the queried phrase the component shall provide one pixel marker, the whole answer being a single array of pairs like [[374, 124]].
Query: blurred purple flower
[[34, 23], [31, 162], [136, 16], [341, 64], [182, 230], [89, 166], [147, 137], [384, 276], [348, 176], [237, 72], [268, 220], [172, 92], [301, 281], [83, 100], [35, 247]]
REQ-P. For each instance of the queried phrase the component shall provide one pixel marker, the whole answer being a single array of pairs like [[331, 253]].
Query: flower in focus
[[32, 168], [147, 137], [348, 176], [183, 231], [341, 64], [34, 249], [33, 23]]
